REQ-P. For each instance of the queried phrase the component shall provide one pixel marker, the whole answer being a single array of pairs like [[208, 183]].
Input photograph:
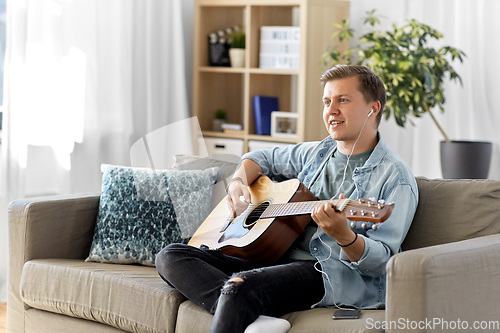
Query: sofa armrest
[[441, 286], [46, 227], [52, 227]]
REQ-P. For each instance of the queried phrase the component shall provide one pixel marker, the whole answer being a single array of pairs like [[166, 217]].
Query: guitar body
[[259, 240]]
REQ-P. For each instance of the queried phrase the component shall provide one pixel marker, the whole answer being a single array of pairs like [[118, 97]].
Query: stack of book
[[232, 128], [279, 47]]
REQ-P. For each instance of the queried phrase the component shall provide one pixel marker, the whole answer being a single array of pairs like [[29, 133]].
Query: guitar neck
[[299, 208]]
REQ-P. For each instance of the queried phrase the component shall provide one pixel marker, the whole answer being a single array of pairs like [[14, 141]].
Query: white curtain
[[85, 79], [470, 110]]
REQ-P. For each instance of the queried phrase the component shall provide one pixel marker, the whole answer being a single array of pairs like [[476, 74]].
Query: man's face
[[345, 110]]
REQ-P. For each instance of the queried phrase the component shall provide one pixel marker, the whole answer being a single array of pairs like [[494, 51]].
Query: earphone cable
[[317, 230]]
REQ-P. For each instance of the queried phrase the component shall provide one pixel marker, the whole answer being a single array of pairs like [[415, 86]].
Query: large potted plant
[[413, 73]]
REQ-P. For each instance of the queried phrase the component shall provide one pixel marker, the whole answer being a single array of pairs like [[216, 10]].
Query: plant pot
[[465, 159], [217, 124], [237, 57]]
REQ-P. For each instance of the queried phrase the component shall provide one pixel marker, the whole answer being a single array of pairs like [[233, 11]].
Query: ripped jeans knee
[[235, 282], [231, 285]]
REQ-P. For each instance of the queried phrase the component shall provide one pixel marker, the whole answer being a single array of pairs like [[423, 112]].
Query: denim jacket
[[385, 176]]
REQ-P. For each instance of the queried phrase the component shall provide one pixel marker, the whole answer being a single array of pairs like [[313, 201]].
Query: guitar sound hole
[[254, 216]]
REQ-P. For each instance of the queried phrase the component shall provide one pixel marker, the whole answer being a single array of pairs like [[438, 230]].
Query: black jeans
[[235, 290]]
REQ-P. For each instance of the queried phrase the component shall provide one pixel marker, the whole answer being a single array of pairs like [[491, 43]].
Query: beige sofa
[[447, 275]]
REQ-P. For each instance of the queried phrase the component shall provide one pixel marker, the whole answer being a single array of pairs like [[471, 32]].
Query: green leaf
[[371, 18], [334, 35], [413, 71]]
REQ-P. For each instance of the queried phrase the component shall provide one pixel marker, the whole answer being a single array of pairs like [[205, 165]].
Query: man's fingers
[[325, 210], [230, 205], [247, 197], [238, 199], [321, 211]]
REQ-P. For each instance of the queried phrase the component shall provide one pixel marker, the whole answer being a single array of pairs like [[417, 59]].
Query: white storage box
[[279, 62], [222, 146], [282, 48], [276, 33], [254, 145], [279, 47]]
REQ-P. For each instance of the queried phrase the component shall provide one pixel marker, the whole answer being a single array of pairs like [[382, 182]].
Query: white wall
[[390, 12], [4, 259]]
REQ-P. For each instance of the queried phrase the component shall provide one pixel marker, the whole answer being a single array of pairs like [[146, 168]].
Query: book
[[262, 107], [228, 126]]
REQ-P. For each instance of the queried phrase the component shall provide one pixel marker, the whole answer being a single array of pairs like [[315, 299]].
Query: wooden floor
[[3, 317]]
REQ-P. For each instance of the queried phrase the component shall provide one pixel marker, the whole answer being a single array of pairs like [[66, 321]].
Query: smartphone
[[347, 314]]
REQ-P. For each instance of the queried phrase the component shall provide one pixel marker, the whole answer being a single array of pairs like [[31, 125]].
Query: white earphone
[[369, 114]]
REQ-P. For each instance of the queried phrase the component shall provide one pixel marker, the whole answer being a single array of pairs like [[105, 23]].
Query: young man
[[334, 262]]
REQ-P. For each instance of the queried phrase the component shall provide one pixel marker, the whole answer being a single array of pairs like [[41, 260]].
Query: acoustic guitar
[[266, 229]]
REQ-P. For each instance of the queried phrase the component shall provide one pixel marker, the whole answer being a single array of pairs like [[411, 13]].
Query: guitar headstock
[[367, 210]]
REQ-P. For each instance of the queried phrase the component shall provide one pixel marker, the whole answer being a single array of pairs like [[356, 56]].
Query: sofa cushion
[[129, 297], [320, 320], [454, 210], [311, 321], [40, 321], [143, 210], [226, 164]]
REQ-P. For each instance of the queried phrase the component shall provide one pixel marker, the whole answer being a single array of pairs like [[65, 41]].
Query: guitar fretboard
[[299, 208]]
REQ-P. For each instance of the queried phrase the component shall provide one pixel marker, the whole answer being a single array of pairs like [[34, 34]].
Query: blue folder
[[262, 107]]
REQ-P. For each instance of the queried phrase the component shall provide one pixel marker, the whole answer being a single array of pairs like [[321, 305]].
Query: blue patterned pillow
[[143, 210]]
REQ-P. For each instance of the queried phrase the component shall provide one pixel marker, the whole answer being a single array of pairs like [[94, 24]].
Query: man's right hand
[[236, 192]]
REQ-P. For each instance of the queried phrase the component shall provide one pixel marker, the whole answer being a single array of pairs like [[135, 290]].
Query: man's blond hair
[[370, 85]]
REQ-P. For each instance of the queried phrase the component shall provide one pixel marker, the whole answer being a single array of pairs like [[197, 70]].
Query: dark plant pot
[[465, 159]]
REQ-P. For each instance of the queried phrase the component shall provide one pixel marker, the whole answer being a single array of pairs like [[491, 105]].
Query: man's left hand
[[333, 222]]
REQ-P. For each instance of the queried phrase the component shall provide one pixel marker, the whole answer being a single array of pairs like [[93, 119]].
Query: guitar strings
[[317, 230]]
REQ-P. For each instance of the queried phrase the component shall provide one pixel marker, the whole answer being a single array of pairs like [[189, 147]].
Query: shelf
[[216, 69], [248, 137], [222, 135], [232, 89], [271, 138], [274, 71], [219, 90]]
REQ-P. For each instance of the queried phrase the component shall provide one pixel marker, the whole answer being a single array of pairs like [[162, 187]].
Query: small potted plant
[[413, 73], [219, 119], [237, 48]]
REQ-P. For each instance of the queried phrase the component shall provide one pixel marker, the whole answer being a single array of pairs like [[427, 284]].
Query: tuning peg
[[381, 201], [372, 199], [364, 226], [353, 225], [374, 227], [391, 204]]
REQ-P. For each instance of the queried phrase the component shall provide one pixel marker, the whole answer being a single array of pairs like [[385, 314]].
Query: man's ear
[[376, 107]]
